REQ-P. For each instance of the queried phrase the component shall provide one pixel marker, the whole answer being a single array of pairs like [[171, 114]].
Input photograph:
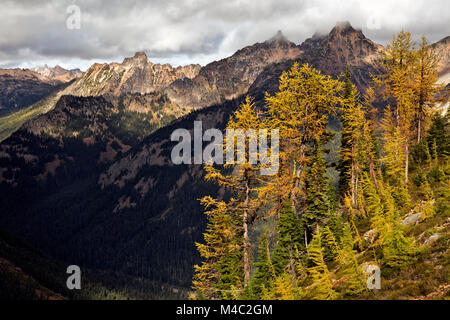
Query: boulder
[[432, 238], [412, 219]]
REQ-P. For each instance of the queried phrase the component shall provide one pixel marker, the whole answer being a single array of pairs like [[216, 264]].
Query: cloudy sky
[[77, 33]]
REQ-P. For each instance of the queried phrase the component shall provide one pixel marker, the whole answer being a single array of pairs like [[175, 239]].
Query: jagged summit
[[342, 25], [343, 34], [345, 29], [278, 37], [343, 45], [139, 56], [136, 74]]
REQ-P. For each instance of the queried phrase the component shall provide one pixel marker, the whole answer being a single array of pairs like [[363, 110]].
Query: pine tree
[[355, 279], [264, 272], [358, 145], [221, 267], [425, 86], [218, 271], [316, 201], [370, 142], [395, 157], [439, 133], [281, 288], [299, 110], [344, 164], [396, 247], [330, 244], [289, 239], [398, 250], [321, 288], [398, 60]]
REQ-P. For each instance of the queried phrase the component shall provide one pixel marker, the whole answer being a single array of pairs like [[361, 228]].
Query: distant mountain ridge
[[21, 88], [58, 73]]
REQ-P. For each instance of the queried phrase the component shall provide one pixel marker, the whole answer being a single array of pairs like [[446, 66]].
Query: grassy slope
[[12, 122]]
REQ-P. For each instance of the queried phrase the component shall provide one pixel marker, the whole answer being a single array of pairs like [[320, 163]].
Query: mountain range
[[87, 178]]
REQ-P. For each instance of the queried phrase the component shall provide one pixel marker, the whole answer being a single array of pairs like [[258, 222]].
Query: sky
[[78, 33]]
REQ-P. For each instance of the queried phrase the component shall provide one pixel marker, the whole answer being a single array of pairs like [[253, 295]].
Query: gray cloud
[[34, 32]]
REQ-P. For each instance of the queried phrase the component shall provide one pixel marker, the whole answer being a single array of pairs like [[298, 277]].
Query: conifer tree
[[355, 153], [344, 164], [264, 272], [289, 239], [395, 157], [221, 267], [316, 201], [397, 249], [370, 143], [358, 146], [321, 288], [243, 182], [439, 133], [330, 244], [425, 86], [299, 110], [398, 60], [355, 279], [282, 288]]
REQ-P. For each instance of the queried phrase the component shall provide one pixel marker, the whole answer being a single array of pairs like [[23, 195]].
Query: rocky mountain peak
[[138, 58], [343, 38], [278, 37], [345, 29], [343, 26], [343, 45]]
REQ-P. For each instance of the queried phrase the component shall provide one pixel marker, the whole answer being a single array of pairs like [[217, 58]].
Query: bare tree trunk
[[268, 251], [373, 173], [356, 183], [406, 163], [296, 186], [421, 105], [418, 127], [352, 184], [246, 241], [306, 240]]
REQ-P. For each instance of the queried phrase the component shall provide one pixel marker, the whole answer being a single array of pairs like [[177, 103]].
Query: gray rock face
[[371, 235], [412, 219], [432, 238]]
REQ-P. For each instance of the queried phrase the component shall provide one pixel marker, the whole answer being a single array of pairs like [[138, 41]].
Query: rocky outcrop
[[412, 219], [434, 237], [442, 48], [134, 75]]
